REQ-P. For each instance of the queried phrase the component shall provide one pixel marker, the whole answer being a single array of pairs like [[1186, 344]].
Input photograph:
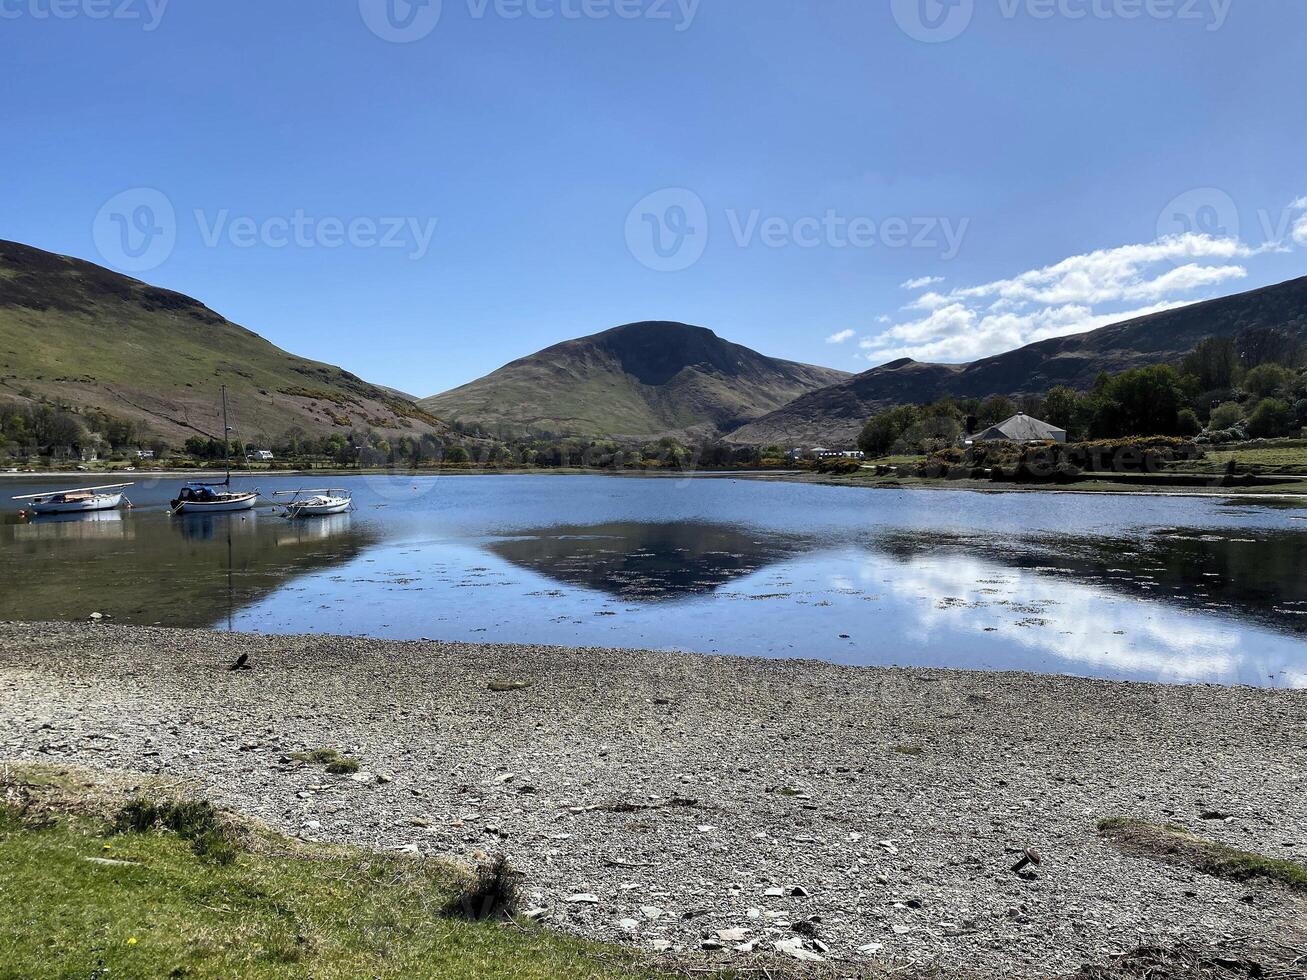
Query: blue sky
[[422, 193]]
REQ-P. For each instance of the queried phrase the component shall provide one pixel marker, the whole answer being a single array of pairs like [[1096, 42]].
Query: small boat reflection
[[84, 525], [318, 529], [213, 527]]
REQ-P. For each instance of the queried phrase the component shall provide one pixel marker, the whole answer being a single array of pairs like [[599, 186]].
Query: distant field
[[1285, 456]]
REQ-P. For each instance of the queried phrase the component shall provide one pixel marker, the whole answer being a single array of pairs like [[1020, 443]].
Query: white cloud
[[1300, 230], [1078, 294], [1299, 205], [922, 283], [839, 338]]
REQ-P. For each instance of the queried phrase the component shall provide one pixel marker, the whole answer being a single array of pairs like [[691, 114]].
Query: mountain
[[639, 381], [82, 335], [835, 415]]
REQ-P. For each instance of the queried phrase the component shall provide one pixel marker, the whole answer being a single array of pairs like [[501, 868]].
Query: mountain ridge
[[80, 334], [639, 380], [836, 414]]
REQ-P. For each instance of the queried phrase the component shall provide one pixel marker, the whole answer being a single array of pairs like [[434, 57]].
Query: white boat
[[215, 498], [321, 504], [79, 501]]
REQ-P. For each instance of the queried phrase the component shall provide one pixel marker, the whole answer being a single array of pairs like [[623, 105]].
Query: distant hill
[[835, 414], [85, 336], [641, 380]]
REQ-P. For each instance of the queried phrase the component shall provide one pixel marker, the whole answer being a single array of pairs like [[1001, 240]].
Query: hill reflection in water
[[647, 562]]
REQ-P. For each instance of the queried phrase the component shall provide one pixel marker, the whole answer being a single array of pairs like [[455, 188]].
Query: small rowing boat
[[79, 501], [321, 504]]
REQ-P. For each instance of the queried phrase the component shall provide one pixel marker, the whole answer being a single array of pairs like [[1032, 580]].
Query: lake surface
[[1173, 589]]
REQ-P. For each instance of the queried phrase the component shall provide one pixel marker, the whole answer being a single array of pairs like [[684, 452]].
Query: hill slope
[[636, 381], [836, 414], [82, 335]]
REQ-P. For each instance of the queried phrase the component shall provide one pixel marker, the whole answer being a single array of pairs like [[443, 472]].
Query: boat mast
[[226, 439]]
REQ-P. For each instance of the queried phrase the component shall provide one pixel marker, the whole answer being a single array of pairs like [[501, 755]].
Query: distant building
[[821, 452], [260, 455], [145, 454], [1019, 428]]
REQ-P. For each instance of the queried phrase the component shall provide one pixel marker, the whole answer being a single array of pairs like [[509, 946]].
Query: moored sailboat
[[79, 501], [322, 504], [215, 498]]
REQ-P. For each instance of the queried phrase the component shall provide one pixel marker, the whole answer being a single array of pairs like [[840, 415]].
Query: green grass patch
[[502, 686], [335, 763], [124, 894], [1174, 843]]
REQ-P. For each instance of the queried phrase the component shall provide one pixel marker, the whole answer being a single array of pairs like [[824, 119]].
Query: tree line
[[1227, 389]]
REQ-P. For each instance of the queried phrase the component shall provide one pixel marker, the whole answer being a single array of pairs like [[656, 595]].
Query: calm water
[[1179, 589]]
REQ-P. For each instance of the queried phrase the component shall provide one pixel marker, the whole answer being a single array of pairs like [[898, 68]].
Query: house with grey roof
[[1020, 428]]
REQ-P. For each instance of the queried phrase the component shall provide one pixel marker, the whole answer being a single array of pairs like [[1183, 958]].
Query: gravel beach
[[707, 805]]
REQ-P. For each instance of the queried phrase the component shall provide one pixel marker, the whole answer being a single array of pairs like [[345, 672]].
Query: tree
[[458, 455], [1266, 380], [884, 430], [1227, 415], [1143, 402], [1273, 417], [1067, 409], [1187, 423], [995, 409], [1214, 362]]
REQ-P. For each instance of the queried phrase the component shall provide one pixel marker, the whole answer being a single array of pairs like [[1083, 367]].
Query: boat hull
[[105, 501], [245, 501], [317, 510]]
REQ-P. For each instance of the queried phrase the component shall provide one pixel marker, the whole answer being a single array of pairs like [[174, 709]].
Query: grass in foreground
[[1174, 843], [91, 893]]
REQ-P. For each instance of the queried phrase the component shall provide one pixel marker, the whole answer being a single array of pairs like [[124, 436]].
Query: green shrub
[[491, 893], [1272, 417], [1226, 416], [196, 821]]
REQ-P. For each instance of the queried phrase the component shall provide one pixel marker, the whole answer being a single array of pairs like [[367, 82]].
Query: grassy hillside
[[836, 414], [85, 336], [641, 380]]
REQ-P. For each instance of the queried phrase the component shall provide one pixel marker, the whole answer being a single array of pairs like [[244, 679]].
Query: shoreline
[[679, 790], [786, 476]]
